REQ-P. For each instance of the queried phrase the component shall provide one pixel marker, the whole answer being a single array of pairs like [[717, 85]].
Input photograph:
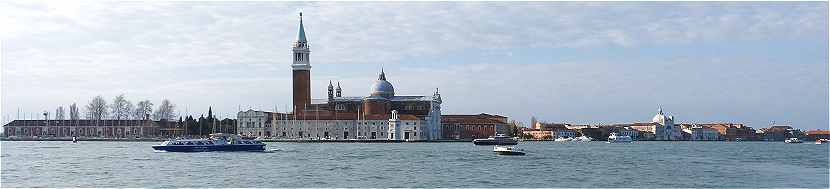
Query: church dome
[[382, 87], [659, 118]]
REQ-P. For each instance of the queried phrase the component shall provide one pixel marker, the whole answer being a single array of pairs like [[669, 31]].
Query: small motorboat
[[793, 140], [614, 138], [74, 140], [507, 150], [499, 139], [216, 142]]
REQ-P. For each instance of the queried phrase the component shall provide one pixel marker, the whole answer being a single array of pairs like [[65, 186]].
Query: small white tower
[[433, 126], [394, 127]]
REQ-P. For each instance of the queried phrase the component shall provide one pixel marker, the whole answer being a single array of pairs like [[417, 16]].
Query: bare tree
[[59, 113], [97, 108], [128, 108], [121, 107], [73, 112], [166, 111], [142, 109]]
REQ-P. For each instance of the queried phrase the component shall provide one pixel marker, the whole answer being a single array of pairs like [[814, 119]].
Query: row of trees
[[206, 125], [120, 109]]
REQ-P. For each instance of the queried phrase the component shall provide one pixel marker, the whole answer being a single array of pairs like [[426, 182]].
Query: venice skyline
[[751, 63]]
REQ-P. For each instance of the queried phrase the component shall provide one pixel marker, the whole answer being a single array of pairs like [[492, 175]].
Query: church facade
[[382, 115]]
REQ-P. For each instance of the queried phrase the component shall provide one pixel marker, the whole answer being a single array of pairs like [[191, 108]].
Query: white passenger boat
[[499, 139], [614, 138], [216, 142], [507, 150], [793, 140]]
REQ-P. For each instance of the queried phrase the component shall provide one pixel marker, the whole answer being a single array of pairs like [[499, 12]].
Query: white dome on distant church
[[659, 118], [382, 87]]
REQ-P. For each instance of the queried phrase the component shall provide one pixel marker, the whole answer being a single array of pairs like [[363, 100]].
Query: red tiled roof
[[818, 132], [472, 115]]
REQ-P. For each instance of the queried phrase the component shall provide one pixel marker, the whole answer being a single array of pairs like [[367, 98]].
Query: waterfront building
[[537, 133], [640, 126], [594, 132], [253, 123], [352, 117], [563, 133], [626, 130], [84, 128], [732, 131], [776, 133], [557, 130], [698, 133], [817, 134], [550, 126], [169, 129], [474, 126]]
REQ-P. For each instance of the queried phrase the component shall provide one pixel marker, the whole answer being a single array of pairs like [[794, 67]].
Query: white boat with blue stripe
[[216, 142]]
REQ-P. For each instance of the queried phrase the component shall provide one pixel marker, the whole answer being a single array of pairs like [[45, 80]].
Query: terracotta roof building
[[86, 128], [472, 126]]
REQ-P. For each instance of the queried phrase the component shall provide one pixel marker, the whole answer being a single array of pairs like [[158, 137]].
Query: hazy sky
[[589, 62]]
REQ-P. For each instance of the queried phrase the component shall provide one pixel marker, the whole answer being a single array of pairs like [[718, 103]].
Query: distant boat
[[216, 142], [74, 140], [507, 150], [614, 138], [793, 140], [499, 139]]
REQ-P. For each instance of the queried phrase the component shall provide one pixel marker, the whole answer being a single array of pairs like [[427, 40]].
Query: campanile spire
[[301, 32]]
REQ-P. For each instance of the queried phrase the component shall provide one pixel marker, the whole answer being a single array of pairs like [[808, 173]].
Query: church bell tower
[[301, 69]]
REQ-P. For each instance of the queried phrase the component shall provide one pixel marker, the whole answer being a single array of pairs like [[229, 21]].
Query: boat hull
[[510, 153], [487, 142], [210, 148]]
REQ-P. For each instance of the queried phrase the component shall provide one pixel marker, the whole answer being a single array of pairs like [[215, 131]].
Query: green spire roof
[[301, 33]]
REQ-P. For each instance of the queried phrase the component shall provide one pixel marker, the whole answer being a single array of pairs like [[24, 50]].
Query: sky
[[575, 62]]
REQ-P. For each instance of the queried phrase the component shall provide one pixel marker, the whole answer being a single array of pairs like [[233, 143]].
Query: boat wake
[[272, 150]]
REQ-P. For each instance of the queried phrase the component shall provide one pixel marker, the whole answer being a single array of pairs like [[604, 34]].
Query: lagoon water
[[548, 164]]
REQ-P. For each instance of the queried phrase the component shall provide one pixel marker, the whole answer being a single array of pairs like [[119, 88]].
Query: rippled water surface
[[548, 164]]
